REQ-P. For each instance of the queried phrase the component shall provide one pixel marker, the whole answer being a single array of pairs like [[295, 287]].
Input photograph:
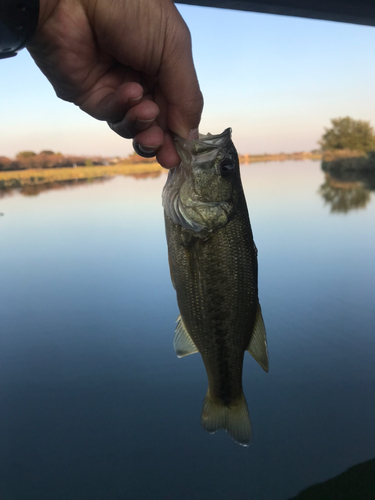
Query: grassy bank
[[20, 178], [357, 161], [280, 157], [39, 176]]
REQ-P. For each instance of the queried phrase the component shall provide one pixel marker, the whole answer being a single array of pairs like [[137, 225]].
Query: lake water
[[94, 403]]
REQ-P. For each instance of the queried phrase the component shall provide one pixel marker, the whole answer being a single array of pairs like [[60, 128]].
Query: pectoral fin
[[182, 343], [258, 342]]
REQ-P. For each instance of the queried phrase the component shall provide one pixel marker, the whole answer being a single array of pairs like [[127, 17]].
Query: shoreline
[[19, 178], [10, 179], [279, 157]]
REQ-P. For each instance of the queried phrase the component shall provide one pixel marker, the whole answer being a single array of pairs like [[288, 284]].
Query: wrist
[[18, 23]]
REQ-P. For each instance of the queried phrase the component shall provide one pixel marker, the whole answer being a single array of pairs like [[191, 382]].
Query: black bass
[[213, 263]]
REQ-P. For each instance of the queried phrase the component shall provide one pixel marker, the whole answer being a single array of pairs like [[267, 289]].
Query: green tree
[[347, 133], [23, 155]]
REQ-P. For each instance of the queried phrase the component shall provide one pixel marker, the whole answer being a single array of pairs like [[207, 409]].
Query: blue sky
[[275, 80]]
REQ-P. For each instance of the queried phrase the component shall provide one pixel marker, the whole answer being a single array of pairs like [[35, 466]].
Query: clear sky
[[275, 80]]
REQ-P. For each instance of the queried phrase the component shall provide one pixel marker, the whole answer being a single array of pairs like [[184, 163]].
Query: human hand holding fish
[[127, 62], [214, 269]]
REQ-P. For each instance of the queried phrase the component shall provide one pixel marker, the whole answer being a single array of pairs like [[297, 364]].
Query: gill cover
[[183, 200]]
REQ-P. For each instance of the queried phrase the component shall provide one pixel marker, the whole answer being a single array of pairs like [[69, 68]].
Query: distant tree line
[[49, 159], [350, 134]]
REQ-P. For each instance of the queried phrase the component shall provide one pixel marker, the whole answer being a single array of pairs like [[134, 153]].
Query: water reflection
[[93, 399], [34, 189], [344, 196], [347, 190], [147, 175]]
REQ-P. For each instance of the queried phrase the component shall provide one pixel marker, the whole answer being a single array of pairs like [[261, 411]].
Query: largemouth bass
[[213, 264]]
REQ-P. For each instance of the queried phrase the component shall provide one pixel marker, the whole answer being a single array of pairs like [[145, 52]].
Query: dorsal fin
[[182, 343], [258, 343]]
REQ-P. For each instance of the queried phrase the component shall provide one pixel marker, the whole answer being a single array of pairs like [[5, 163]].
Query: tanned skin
[[127, 62]]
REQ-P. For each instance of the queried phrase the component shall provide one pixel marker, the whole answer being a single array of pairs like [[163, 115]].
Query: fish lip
[[203, 149], [215, 141], [197, 153], [207, 141]]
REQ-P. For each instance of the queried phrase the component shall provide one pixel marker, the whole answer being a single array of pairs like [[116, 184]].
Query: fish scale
[[213, 264]]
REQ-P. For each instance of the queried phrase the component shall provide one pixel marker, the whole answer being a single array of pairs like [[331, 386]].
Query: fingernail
[[132, 100], [143, 124], [193, 134], [144, 151], [145, 121]]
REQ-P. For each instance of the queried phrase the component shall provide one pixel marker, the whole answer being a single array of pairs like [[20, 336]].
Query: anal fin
[[182, 343], [258, 343]]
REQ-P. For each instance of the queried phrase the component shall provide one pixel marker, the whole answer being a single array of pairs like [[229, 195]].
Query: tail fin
[[234, 419]]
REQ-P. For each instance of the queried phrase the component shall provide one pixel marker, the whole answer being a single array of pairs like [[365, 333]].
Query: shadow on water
[[356, 483], [34, 189], [346, 189]]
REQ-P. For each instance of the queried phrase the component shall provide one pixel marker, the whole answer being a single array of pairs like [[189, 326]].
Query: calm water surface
[[94, 403]]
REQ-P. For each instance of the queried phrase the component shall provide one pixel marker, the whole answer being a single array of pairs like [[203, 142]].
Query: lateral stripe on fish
[[213, 263]]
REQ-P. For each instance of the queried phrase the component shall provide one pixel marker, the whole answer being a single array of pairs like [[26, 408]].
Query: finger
[[143, 151], [138, 118], [108, 103], [167, 155], [149, 141], [147, 145], [178, 81]]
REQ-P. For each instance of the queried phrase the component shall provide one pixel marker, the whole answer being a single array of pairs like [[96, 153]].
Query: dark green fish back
[[213, 263], [216, 281]]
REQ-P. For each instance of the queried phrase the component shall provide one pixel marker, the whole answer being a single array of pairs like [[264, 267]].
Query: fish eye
[[226, 168]]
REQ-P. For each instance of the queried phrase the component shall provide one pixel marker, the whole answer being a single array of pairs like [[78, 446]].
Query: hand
[[127, 62]]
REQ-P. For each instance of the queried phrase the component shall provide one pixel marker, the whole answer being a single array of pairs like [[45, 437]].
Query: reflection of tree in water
[[344, 196], [6, 192], [147, 175], [37, 188], [33, 189]]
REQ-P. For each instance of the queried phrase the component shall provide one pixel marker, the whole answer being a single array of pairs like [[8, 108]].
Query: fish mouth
[[194, 214], [210, 141], [203, 149]]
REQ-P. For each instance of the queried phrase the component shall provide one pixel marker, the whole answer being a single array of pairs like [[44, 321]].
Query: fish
[[214, 270]]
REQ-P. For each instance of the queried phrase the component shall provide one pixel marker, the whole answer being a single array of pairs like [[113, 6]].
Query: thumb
[[178, 81]]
